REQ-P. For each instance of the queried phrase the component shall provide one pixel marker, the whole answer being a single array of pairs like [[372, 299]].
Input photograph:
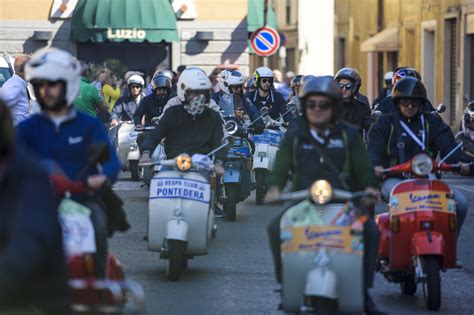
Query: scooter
[[418, 235], [181, 216], [266, 148], [112, 295], [158, 154], [322, 251], [127, 148]]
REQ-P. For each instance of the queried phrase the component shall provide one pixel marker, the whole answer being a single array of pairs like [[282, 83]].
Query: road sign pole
[[265, 12]]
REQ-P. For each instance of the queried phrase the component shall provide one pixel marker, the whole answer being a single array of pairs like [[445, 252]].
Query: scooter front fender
[[177, 229], [422, 246], [321, 282], [133, 155]]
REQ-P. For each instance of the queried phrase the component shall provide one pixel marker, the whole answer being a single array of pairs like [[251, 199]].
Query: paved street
[[237, 275]]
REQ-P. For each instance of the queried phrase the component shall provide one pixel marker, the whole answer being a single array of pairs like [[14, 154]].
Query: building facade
[[208, 33], [434, 36]]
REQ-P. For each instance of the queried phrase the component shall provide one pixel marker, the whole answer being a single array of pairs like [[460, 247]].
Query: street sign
[[265, 41]]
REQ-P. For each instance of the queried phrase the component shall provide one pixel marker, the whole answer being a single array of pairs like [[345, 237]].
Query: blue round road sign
[[265, 41]]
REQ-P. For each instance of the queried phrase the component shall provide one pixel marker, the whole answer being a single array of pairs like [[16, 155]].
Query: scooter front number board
[[169, 188], [421, 200], [269, 137]]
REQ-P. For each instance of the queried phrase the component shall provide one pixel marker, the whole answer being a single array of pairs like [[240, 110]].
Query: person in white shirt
[[15, 93]]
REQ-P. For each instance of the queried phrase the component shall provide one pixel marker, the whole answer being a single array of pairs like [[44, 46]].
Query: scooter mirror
[[441, 108], [98, 153], [231, 127]]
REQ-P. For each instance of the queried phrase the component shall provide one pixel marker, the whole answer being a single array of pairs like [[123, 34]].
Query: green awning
[[255, 15], [124, 20]]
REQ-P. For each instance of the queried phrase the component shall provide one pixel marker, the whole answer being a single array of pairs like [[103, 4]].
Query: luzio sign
[[126, 34]]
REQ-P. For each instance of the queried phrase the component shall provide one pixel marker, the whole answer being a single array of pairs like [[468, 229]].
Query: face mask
[[196, 105]]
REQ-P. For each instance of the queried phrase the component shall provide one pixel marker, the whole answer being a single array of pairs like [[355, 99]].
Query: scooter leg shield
[[177, 229], [231, 176], [321, 282], [261, 162], [133, 155], [421, 244]]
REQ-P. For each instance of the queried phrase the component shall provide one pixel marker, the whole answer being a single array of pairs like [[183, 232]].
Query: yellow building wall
[[25, 9], [221, 10]]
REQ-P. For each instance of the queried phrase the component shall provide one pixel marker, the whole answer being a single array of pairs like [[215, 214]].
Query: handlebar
[[145, 128]]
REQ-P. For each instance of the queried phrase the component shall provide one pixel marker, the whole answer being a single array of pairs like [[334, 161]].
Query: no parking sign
[[265, 41]]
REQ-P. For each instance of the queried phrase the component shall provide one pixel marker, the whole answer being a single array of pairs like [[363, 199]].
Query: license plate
[[172, 188]]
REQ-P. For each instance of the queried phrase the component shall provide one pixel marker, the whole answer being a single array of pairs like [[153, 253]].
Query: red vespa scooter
[[418, 235], [112, 295]]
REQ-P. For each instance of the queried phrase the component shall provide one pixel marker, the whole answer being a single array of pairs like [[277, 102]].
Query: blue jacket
[[67, 145], [32, 264], [274, 101]]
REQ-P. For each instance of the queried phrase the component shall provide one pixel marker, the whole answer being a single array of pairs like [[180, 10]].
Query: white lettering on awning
[[126, 34]]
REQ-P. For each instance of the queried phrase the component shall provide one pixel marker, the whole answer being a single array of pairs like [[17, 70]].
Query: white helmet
[[262, 72], [53, 64], [236, 78], [136, 79], [194, 79], [388, 77]]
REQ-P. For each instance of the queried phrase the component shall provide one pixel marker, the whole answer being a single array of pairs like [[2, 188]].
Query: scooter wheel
[[432, 285], [134, 170], [408, 285], [176, 259], [260, 188], [230, 205]]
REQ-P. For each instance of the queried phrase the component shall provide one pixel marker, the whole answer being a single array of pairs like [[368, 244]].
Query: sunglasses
[[347, 86], [41, 83], [322, 105], [136, 86], [266, 80]]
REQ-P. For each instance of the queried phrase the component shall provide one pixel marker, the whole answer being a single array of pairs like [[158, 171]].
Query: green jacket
[[341, 159]]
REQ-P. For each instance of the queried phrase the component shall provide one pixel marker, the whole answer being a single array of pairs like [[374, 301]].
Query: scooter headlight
[[422, 164], [321, 192], [183, 162]]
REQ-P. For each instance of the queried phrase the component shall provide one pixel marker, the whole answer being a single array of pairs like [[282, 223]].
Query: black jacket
[[32, 263], [386, 106], [185, 133], [274, 101], [383, 144], [150, 107], [357, 113], [345, 165]]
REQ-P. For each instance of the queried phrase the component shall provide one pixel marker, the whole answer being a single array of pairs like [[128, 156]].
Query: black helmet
[[409, 87], [297, 80], [161, 81], [324, 85], [352, 75]]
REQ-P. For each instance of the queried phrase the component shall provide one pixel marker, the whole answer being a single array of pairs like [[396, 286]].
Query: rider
[[354, 110], [126, 106], [32, 264], [64, 135], [466, 131], [190, 128], [324, 147], [386, 105], [230, 81], [265, 95], [295, 88], [399, 136], [249, 85], [387, 89], [152, 105]]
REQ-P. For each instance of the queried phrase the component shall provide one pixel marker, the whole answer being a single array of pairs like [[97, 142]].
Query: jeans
[[99, 221], [462, 204], [371, 243]]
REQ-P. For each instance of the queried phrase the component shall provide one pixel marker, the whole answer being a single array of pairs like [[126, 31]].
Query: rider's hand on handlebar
[[219, 170], [373, 193], [378, 170], [96, 181], [145, 158], [272, 195], [138, 126], [114, 122]]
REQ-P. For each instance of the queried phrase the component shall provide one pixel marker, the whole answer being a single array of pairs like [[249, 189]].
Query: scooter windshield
[[226, 103]]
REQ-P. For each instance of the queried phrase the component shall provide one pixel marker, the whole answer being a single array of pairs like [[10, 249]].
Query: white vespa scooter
[[181, 218], [267, 145], [127, 148], [322, 252]]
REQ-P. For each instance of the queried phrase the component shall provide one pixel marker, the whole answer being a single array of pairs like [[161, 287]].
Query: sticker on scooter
[[268, 137], [166, 188], [420, 201]]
